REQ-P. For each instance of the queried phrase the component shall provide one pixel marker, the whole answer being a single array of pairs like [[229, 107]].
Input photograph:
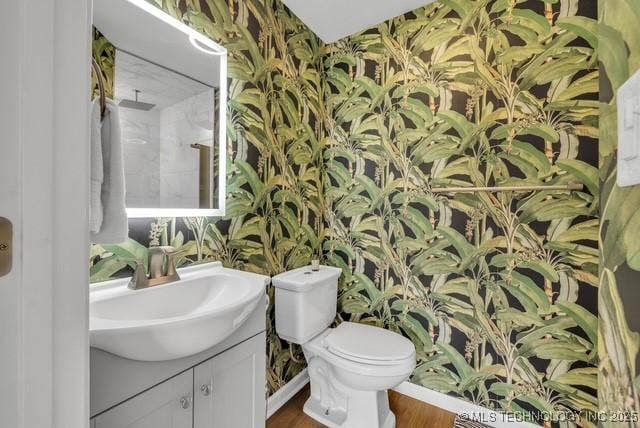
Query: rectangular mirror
[[170, 84]]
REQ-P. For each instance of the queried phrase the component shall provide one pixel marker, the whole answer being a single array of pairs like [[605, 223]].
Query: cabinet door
[[230, 388], [168, 405]]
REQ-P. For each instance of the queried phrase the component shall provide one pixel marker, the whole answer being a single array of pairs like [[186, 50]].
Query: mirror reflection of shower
[[162, 114], [135, 104], [205, 179]]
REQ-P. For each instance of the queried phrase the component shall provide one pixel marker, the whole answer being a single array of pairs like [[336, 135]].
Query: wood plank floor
[[410, 413]]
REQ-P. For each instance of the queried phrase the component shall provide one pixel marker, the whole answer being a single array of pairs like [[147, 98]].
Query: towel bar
[[101, 87], [571, 187]]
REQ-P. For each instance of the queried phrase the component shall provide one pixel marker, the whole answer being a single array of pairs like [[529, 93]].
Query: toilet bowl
[[351, 366]]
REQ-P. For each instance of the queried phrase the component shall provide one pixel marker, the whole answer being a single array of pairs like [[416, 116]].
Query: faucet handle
[[139, 278], [171, 262]]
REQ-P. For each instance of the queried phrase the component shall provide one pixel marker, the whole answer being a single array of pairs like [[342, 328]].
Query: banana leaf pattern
[[619, 340], [334, 150], [497, 291]]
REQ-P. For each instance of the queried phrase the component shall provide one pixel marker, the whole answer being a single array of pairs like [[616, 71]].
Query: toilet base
[[347, 394], [332, 418], [337, 418]]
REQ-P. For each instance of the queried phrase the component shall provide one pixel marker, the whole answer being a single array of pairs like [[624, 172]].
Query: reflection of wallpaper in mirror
[[167, 124]]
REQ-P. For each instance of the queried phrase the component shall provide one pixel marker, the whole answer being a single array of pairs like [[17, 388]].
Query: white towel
[[97, 171], [114, 227]]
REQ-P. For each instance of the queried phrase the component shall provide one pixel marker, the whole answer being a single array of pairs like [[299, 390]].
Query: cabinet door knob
[[205, 389], [185, 402]]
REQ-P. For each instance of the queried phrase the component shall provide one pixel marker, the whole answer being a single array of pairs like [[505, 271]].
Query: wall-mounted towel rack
[[101, 87], [571, 187]]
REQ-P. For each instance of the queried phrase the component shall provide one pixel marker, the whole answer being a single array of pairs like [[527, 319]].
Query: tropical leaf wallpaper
[[334, 152], [619, 323], [497, 291]]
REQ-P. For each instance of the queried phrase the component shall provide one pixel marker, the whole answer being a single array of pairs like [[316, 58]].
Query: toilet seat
[[369, 345]]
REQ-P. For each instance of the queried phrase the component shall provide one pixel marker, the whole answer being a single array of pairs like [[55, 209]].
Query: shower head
[[135, 104]]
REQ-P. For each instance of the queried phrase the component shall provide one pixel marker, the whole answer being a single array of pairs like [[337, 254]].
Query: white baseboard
[[460, 407], [286, 393]]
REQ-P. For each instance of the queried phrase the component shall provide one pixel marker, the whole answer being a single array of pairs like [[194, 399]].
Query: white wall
[[44, 183]]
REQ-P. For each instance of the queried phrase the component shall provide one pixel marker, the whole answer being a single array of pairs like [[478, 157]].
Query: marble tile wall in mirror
[[168, 131]]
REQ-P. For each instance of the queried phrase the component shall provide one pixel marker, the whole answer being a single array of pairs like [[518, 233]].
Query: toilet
[[351, 366]]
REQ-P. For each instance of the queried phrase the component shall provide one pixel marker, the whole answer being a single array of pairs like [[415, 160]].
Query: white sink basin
[[173, 320]]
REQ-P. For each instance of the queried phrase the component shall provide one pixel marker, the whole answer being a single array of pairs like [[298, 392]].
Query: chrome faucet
[[157, 272]]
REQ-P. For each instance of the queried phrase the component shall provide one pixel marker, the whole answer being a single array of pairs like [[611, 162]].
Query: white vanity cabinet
[[167, 405], [226, 392]]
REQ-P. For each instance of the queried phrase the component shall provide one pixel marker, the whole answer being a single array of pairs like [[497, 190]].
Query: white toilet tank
[[306, 302]]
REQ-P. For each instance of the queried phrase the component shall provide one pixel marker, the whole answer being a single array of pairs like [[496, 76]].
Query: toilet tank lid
[[304, 279]]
